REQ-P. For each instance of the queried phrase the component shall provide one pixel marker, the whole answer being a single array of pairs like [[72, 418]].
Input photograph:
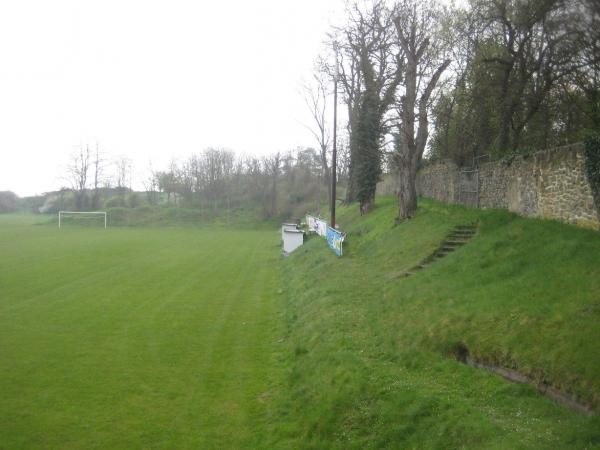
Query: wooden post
[[334, 152]]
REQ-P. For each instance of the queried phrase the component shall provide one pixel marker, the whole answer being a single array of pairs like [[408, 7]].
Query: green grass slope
[[148, 216], [136, 338], [159, 216], [369, 354]]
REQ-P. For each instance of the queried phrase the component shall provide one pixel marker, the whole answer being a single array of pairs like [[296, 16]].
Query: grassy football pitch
[[204, 338], [135, 338]]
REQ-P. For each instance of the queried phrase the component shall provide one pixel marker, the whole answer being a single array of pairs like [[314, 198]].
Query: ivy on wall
[[592, 166]]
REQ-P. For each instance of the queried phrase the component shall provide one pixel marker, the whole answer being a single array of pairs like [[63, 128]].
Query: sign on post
[[321, 227], [335, 240], [316, 225], [311, 223]]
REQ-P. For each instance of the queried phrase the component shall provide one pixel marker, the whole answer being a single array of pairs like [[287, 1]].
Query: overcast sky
[[151, 80]]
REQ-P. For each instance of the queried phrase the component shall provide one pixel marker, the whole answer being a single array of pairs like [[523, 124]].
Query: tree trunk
[[273, 198], [407, 193], [367, 205], [351, 191], [506, 100]]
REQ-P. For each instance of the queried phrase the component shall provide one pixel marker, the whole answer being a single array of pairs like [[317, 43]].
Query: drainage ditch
[[461, 353]]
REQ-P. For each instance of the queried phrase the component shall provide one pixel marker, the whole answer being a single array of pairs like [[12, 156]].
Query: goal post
[[90, 214]]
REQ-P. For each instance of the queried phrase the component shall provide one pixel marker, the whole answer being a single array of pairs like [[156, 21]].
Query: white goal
[[81, 215]]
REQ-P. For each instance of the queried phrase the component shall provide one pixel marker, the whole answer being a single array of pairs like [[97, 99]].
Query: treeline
[[282, 184], [93, 181], [526, 76], [495, 77]]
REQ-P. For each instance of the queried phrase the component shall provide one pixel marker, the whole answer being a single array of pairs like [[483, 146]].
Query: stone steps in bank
[[458, 237]]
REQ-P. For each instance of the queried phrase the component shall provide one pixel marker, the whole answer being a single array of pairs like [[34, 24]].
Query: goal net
[[88, 218]]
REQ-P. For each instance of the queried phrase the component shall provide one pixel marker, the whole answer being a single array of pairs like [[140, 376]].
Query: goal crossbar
[[61, 213]]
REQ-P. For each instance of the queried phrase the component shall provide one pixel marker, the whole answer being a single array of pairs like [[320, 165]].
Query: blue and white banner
[[335, 240]]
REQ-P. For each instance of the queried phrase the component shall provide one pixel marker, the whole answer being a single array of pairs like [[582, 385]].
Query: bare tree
[[151, 185], [215, 167], [98, 167], [122, 174], [77, 173], [273, 166], [537, 47], [418, 29], [315, 96], [586, 76]]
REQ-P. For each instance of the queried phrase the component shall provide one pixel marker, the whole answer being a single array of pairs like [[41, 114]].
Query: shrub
[[118, 201], [8, 202], [133, 200], [117, 215], [145, 209]]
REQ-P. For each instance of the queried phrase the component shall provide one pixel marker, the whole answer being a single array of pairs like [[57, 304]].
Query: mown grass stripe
[[140, 347]]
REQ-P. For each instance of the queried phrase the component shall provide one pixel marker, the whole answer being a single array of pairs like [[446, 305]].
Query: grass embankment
[[135, 338], [167, 216], [176, 216], [154, 216], [370, 354]]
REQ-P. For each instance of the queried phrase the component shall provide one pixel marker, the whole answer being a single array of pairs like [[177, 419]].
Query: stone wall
[[550, 184], [440, 181]]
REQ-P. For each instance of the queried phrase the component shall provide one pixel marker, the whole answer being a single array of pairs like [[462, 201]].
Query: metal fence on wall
[[468, 183]]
